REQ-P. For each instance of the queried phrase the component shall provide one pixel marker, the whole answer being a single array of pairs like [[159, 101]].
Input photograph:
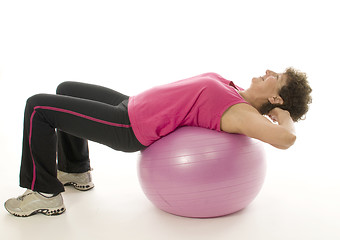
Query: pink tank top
[[198, 101]]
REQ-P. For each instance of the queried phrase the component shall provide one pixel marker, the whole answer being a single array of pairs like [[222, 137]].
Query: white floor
[[299, 200], [133, 45]]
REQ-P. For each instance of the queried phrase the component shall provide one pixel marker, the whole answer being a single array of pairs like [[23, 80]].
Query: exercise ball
[[201, 173]]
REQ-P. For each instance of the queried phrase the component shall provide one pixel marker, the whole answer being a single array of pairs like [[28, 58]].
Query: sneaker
[[31, 203], [80, 181]]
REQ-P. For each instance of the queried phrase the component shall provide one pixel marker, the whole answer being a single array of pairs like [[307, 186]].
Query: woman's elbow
[[292, 139], [287, 142]]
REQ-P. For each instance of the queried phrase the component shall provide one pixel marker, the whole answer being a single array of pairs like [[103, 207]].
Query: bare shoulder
[[236, 116], [245, 119]]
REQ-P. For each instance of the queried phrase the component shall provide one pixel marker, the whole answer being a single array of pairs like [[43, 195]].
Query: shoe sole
[[80, 187], [47, 212]]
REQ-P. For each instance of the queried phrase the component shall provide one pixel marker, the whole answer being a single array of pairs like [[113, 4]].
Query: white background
[[133, 45]]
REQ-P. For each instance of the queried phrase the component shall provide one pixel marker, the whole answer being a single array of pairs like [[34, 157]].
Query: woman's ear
[[276, 100]]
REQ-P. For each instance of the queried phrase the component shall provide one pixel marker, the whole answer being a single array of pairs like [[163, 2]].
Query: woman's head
[[292, 92]]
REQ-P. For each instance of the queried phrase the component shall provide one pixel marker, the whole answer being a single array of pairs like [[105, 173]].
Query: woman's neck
[[252, 99]]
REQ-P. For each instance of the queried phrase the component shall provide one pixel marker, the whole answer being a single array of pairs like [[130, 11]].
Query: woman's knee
[[36, 100], [64, 87]]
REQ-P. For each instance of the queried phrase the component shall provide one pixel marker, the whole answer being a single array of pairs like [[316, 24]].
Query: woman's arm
[[245, 119]]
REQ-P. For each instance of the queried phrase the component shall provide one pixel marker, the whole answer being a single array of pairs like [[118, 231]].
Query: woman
[[82, 112]]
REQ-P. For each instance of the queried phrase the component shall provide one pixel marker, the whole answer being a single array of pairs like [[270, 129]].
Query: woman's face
[[268, 85]]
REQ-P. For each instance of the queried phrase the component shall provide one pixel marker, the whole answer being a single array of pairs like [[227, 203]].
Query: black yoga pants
[[57, 127]]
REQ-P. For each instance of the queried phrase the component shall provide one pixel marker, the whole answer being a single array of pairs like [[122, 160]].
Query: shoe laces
[[22, 197]]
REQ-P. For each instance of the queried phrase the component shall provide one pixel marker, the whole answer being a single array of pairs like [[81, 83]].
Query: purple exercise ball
[[201, 173]]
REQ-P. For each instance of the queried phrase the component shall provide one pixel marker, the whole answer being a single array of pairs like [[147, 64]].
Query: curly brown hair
[[295, 94]]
